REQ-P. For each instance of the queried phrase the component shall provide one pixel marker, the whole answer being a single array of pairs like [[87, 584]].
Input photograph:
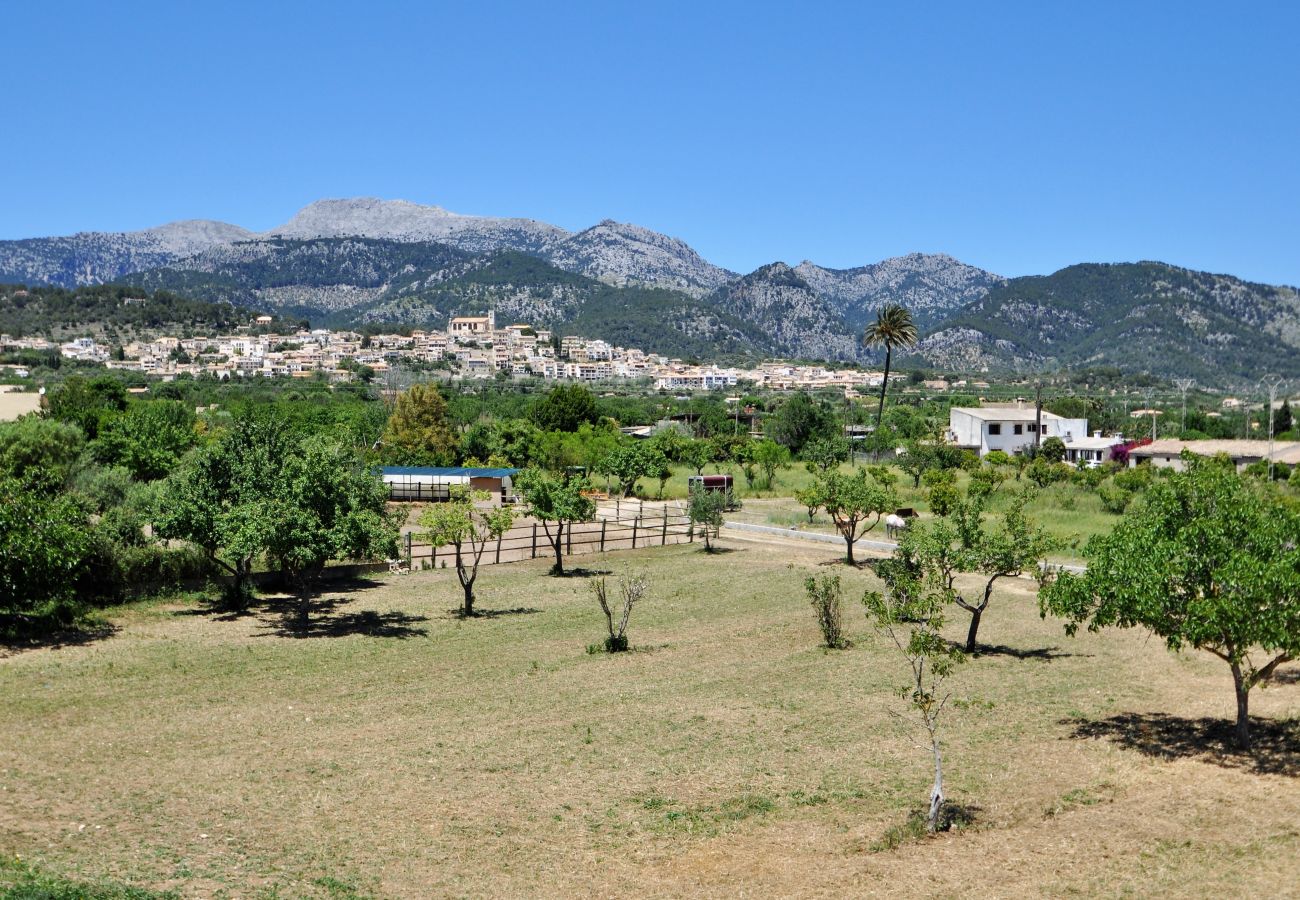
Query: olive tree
[[1208, 561], [466, 523], [556, 501]]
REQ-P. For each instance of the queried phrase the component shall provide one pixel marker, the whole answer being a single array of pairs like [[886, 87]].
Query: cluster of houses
[[470, 347], [1015, 427]]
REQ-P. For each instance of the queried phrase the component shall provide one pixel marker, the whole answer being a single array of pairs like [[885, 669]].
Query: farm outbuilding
[[436, 482]]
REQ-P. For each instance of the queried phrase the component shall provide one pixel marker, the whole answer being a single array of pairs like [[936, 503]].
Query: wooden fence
[[622, 526]]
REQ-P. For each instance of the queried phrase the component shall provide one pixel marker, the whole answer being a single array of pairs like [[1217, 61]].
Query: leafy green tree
[[466, 523], [824, 454], [565, 408], [556, 501], [1052, 449], [706, 509], [799, 420], [912, 619], [917, 459], [746, 456], [771, 457], [328, 506], [628, 463], [32, 443], [44, 543], [148, 440], [696, 454], [1207, 561], [962, 542], [86, 402], [852, 501], [892, 329], [218, 500], [419, 431], [810, 498]]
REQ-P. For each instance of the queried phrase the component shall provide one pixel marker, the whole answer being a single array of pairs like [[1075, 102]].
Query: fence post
[[663, 540], [409, 560], [433, 557], [568, 539], [635, 523], [603, 523], [534, 540]]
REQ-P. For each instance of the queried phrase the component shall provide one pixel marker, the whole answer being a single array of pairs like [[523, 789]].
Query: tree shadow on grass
[[492, 613], [1275, 746], [325, 618], [1287, 676], [580, 572], [1044, 654], [56, 638]]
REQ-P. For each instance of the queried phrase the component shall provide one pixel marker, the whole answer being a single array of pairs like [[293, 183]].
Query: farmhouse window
[[995, 428], [1019, 428]]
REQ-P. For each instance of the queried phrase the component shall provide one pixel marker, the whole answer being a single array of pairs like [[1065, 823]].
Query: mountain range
[[366, 261]]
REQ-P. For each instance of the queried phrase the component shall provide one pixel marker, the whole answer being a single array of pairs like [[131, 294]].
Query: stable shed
[[436, 482]]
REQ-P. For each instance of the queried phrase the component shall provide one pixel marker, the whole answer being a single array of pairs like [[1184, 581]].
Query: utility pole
[[1038, 414], [1271, 382], [1184, 385], [1146, 398]]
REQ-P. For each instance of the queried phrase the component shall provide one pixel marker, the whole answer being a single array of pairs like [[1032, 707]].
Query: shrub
[[1089, 476], [1134, 480], [943, 498], [824, 594], [1114, 499], [1043, 473], [632, 588]]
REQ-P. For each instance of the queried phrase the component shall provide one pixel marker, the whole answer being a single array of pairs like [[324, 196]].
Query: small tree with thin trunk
[[770, 457], [632, 588], [706, 509], [853, 501], [912, 622], [963, 543], [556, 501], [1206, 561], [697, 454], [466, 523]]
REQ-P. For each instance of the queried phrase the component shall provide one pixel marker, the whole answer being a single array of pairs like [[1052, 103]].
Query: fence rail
[[530, 539]]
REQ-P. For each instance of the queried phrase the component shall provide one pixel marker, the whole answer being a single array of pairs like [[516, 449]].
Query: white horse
[[895, 525]]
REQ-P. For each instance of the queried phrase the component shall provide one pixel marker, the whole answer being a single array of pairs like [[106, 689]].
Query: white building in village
[[1009, 429]]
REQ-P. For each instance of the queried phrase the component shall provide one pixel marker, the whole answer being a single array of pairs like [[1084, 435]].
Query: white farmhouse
[[1009, 429]]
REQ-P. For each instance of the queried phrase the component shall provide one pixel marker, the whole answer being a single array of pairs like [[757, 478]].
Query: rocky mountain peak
[[624, 254]]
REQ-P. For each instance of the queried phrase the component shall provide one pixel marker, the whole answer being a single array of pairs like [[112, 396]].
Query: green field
[[396, 750], [1071, 513]]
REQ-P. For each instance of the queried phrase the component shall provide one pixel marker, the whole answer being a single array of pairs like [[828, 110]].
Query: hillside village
[[472, 347]]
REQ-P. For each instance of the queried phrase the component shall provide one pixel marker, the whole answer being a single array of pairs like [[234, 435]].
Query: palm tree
[[893, 328]]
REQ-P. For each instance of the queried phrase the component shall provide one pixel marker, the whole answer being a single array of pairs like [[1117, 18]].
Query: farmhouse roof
[[1237, 449], [1004, 414]]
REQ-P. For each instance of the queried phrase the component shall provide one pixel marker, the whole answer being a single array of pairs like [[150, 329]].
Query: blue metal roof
[[471, 471]]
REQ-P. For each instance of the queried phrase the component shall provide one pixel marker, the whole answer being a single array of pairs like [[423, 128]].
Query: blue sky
[[1017, 137]]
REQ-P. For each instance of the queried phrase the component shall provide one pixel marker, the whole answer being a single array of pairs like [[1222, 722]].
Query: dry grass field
[[397, 751]]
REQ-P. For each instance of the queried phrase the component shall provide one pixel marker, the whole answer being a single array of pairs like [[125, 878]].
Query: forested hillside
[[1140, 317], [56, 313]]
